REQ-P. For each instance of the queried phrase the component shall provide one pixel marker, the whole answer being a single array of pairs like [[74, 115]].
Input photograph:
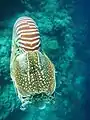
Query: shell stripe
[[28, 39], [30, 42], [30, 48], [23, 19], [25, 27], [26, 31], [27, 34]]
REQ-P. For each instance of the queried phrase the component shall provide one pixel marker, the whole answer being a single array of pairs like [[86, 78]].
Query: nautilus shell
[[32, 72]]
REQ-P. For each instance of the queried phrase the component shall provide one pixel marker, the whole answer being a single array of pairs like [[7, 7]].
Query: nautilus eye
[[32, 71]]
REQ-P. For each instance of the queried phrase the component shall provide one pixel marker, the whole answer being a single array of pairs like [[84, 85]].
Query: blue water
[[76, 104], [82, 52]]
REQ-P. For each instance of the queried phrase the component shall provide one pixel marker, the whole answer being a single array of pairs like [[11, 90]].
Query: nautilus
[[31, 70]]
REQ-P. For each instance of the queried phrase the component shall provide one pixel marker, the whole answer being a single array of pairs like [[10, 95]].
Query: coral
[[31, 5], [8, 101], [8, 98], [4, 57], [56, 30]]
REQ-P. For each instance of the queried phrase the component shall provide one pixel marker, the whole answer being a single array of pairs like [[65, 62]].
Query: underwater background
[[64, 27]]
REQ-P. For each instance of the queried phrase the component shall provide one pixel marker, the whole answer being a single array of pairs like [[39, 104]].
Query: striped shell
[[26, 34]]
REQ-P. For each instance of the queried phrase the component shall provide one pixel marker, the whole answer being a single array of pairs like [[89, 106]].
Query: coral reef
[[8, 98], [56, 30], [8, 101], [4, 57]]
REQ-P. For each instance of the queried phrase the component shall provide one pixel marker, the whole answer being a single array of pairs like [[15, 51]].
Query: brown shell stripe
[[27, 34]]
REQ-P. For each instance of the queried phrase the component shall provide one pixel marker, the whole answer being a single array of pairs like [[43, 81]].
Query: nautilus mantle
[[32, 72]]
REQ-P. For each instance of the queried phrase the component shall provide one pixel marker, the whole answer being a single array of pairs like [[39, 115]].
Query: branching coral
[[33, 4], [8, 101], [4, 57]]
